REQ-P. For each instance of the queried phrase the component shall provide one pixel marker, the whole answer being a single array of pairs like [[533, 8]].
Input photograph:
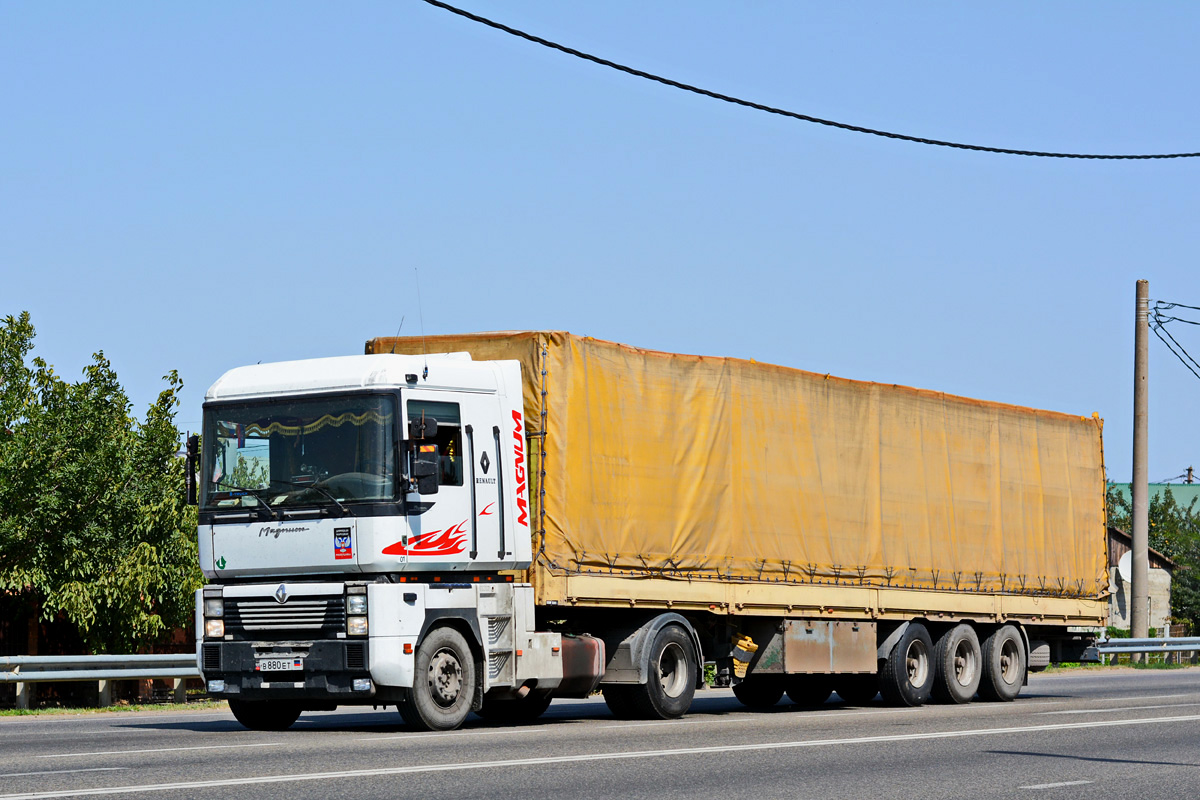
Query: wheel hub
[[445, 677]]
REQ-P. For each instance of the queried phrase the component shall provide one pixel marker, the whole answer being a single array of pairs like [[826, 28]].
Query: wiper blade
[[345, 511], [257, 496]]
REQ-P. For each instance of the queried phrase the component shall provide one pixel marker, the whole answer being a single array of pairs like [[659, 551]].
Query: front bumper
[[328, 672]]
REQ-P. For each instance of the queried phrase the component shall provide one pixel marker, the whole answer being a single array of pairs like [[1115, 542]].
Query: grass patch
[[1070, 666], [191, 705]]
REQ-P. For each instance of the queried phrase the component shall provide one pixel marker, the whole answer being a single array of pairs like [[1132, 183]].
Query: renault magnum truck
[[486, 522]]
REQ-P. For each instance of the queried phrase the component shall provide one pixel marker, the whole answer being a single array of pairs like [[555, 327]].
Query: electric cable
[[784, 112]]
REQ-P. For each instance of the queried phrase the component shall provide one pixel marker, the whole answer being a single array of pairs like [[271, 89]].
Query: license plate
[[278, 664]]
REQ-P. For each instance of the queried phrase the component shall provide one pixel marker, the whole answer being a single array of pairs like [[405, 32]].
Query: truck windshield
[[325, 451]]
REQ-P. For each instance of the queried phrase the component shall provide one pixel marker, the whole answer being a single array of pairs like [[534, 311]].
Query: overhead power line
[[1158, 324], [784, 112]]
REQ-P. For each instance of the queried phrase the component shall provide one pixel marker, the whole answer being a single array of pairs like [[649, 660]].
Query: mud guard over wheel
[[265, 715], [443, 683], [906, 678], [1004, 665]]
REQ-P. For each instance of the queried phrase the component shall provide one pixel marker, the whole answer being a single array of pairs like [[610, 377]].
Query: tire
[[443, 683], [907, 675], [957, 665], [515, 709], [759, 691], [265, 715], [808, 691], [857, 690], [672, 673], [1004, 665], [620, 701]]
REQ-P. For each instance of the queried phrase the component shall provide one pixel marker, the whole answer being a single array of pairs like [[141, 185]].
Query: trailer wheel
[[443, 683], [1004, 665], [907, 675], [808, 691], [265, 715], [857, 690], [759, 691], [672, 671], [957, 665], [515, 709]]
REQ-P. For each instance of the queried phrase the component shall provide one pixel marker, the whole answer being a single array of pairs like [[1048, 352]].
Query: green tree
[[93, 524], [1175, 532]]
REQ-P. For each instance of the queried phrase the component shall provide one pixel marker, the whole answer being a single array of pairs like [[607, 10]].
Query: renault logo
[[281, 594]]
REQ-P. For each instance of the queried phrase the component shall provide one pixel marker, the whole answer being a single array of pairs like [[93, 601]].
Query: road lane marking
[[1115, 709], [60, 771], [163, 750], [1056, 785], [552, 760]]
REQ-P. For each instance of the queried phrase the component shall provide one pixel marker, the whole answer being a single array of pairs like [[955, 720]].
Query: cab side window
[[448, 440]]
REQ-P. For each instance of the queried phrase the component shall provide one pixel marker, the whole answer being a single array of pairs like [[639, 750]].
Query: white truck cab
[[361, 522]]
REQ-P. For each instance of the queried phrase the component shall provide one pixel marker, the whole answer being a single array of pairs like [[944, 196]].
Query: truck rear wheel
[[671, 676], [957, 665], [443, 683], [1004, 664], [265, 715], [759, 691], [907, 675], [808, 691]]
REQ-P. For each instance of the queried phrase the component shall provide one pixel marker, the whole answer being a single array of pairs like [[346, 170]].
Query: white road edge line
[[524, 762], [163, 750], [60, 772], [1056, 785], [1114, 709]]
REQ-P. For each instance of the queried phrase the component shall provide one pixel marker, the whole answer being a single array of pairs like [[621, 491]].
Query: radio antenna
[[398, 327], [421, 315]]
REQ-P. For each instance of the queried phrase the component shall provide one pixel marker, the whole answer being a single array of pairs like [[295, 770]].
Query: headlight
[[356, 626], [356, 604], [214, 628], [214, 607]]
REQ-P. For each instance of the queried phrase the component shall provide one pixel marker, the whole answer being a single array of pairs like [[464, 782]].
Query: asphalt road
[[1084, 734]]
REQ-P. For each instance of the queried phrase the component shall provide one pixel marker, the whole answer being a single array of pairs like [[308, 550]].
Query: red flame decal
[[449, 542], [486, 512]]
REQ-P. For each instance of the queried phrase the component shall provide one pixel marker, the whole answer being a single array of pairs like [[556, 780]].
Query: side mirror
[[193, 455], [425, 465], [422, 428]]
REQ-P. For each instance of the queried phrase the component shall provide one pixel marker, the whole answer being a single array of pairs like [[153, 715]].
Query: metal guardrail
[[1106, 647], [102, 669]]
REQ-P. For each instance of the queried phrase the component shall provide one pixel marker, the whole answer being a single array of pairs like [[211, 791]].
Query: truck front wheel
[[265, 715], [907, 675], [443, 683], [671, 676]]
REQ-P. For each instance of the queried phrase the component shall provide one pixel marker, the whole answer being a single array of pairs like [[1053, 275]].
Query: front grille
[[356, 656], [307, 616], [212, 657]]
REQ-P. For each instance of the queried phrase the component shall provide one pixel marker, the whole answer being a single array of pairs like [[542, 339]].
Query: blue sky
[[196, 187]]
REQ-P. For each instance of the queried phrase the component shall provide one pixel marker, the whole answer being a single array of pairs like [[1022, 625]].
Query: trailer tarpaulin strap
[[687, 466]]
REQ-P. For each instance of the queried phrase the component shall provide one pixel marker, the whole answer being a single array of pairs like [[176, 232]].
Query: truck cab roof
[[349, 373]]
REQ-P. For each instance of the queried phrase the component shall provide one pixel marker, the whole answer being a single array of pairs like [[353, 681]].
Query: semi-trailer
[[486, 522]]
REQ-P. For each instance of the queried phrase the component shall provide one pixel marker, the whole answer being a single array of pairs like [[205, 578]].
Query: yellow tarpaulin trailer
[[685, 471]]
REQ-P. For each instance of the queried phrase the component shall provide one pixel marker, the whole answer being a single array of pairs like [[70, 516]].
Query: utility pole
[[1190, 477], [1139, 590]]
